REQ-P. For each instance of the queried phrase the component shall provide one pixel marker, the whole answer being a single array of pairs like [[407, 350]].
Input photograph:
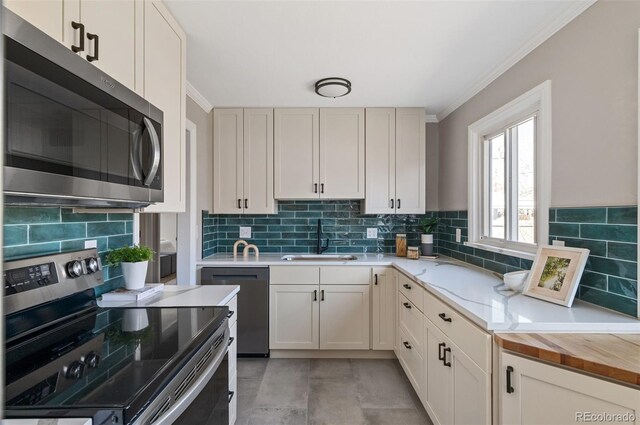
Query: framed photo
[[556, 273]]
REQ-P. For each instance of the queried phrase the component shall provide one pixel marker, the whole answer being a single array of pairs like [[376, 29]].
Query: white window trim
[[539, 98]]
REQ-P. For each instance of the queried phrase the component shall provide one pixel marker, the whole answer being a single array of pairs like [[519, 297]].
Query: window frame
[[536, 101]]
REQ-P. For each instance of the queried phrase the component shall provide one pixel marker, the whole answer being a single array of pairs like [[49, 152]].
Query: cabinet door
[[164, 86], [258, 162], [342, 153], [384, 308], [293, 317], [296, 153], [114, 24], [411, 161], [471, 390], [544, 394], [53, 17], [439, 387], [227, 161], [344, 317], [380, 132]]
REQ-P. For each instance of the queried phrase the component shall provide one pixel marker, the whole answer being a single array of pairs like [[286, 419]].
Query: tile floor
[[326, 392]]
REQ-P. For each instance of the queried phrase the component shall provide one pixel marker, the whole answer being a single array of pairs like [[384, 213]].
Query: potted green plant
[[428, 224], [134, 261]]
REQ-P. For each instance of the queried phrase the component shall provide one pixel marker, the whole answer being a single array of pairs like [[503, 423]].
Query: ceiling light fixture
[[333, 87]]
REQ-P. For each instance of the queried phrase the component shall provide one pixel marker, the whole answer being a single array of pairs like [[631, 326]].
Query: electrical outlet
[[372, 233], [556, 242], [458, 235], [90, 244], [245, 232]]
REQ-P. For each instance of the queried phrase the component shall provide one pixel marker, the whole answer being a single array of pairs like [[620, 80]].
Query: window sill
[[505, 251]]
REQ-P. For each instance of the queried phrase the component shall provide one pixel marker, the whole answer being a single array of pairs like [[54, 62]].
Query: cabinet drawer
[[233, 307], [411, 322], [345, 275], [294, 275], [411, 290], [471, 339], [412, 362], [233, 404], [233, 350]]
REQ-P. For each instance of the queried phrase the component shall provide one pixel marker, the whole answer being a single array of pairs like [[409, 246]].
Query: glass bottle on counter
[[401, 245]]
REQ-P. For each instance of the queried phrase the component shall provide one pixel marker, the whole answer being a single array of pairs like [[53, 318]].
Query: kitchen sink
[[326, 257]]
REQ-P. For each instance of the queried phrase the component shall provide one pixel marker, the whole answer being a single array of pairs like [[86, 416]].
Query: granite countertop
[[477, 293], [182, 296]]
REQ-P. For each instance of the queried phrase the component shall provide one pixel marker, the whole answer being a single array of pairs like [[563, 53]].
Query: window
[[509, 175]]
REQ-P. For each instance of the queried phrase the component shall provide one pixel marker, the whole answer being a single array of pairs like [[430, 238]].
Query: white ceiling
[[396, 53]]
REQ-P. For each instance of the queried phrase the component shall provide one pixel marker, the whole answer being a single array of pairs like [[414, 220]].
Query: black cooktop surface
[[104, 358]]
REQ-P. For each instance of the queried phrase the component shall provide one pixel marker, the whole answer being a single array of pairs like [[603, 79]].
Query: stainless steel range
[[66, 357]]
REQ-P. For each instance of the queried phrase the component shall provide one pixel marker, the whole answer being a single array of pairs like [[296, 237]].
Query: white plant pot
[[426, 239], [134, 274]]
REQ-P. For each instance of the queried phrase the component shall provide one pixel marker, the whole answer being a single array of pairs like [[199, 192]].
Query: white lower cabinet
[[315, 308], [458, 391], [383, 315], [233, 359], [344, 317], [532, 392], [411, 361], [294, 317]]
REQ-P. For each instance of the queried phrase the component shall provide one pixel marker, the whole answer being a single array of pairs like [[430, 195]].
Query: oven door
[[68, 138]]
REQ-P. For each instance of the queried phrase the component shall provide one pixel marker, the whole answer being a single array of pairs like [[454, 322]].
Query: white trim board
[[197, 97], [540, 37]]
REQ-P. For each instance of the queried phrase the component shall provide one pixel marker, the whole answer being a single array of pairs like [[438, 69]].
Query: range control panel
[[31, 277]]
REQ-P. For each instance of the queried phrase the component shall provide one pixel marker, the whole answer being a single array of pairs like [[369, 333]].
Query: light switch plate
[[372, 233], [556, 242], [458, 235], [90, 244], [245, 232]]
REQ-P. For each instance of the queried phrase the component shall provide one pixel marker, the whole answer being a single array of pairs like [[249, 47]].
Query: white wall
[[168, 228], [593, 65]]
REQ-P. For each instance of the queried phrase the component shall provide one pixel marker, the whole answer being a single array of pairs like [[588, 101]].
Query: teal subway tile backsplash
[[293, 229], [610, 233], [30, 231]]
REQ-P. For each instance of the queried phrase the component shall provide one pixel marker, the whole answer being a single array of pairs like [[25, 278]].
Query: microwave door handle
[[155, 141], [135, 154]]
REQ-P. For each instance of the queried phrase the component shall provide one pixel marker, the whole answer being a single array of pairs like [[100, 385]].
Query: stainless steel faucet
[[320, 249]]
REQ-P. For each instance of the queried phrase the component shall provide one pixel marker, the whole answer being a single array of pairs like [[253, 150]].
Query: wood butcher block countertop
[[613, 356]]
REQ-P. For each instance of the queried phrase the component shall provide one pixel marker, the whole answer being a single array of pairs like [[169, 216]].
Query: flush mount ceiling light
[[333, 87]]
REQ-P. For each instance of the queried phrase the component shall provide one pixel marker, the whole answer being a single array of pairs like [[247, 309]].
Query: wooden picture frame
[[556, 273]]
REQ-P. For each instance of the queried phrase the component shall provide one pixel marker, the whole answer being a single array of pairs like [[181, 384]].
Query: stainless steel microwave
[[73, 135]]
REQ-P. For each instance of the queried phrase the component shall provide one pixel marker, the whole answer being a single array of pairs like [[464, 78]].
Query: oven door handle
[[155, 141], [171, 415]]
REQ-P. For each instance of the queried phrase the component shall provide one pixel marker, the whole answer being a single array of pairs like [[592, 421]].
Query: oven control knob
[[75, 370], [92, 265], [92, 360], [74, 268]]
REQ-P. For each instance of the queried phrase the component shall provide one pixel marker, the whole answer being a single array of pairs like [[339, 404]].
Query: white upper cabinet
[[296, 151], [380, 161], [395, 161], [109, 29], [411, 161], [243, 161], [228, 139], [319, 154], [342, 153], [164, 67]]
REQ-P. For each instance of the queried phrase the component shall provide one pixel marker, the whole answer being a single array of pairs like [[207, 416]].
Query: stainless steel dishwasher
[[253, 305]]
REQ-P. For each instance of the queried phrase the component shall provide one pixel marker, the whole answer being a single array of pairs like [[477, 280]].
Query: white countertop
[[475, 292], [182, 296], [66, 421]]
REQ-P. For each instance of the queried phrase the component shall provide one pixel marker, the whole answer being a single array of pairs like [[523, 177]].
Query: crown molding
[[197, 97], [431, 119], [542, 35]]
